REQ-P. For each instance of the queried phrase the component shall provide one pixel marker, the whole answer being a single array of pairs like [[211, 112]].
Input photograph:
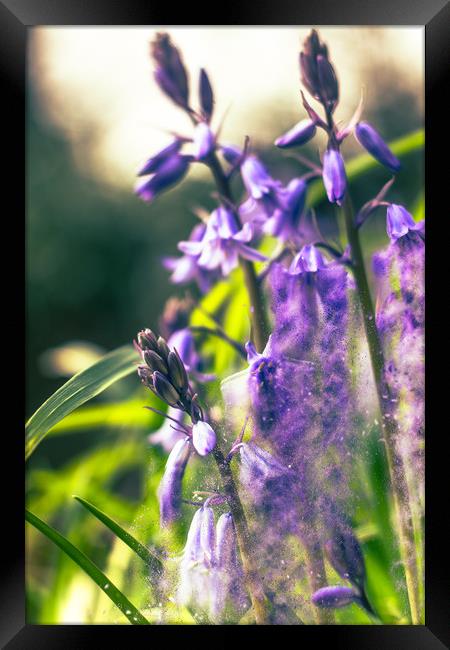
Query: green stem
[[258, 316], [260, 602], [402, 506]]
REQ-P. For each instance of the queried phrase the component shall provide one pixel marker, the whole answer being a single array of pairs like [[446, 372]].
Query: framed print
[[226, 302]]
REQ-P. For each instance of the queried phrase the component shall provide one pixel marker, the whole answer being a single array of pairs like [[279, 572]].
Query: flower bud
[[345, 555], [206, 95], [329, 88], [371, 140], [170, 73], [231, 153], [177, 371], [334, 597], [203, 437], [163, 348], [169, 492], [298, 135], [154, 361], [164, 389], [204, 141], [169, 173], [155, 162], [334, 177], [317, 72], [147, 340]]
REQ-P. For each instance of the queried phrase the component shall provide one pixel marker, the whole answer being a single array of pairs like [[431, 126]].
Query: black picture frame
[[16, 17]]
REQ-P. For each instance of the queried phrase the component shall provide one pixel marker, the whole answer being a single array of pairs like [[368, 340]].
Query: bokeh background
[[94, 274]]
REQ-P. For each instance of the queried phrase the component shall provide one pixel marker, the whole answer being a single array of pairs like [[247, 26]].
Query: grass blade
[[149, 558], [118, 598], [78, 390]]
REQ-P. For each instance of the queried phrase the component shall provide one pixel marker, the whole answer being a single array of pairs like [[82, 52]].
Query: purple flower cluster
[[399, 272]]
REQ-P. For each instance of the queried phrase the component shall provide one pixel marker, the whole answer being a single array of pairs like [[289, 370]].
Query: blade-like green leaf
[[150, 558], [78, 390], [364, 163], [113, 415], [118, 598]]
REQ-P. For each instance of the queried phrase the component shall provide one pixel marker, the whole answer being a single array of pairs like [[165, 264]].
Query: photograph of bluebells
[[225, 259]]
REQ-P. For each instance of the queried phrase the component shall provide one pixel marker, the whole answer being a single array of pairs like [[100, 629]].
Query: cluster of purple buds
[[211, 575], [317, 72], [164, 373]]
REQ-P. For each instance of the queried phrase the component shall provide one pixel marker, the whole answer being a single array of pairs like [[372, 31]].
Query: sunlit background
[[94, 249]]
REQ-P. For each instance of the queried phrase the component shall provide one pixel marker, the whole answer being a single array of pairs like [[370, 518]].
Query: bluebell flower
[[261, 187], [223, 243], [334, 177], [169, 491], [308, 260], [285, 221], [400, 222], [197, 562], [371, 140], [203, 438], [169, 172], [186, 269], [229, 599]]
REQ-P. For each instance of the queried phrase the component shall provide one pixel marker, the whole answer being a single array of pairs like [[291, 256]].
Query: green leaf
[[361, 164], [79, 389], [143, 552], [118, 598], [113, 415]]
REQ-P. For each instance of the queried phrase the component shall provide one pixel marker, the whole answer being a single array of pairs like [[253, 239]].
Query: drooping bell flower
[[229, 599], [203, 438], [372, 141], [334, 176], [169, 491], [261, 187], [223, 243], [186, 268], [285, 221], [197, 563], [170, 73]]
